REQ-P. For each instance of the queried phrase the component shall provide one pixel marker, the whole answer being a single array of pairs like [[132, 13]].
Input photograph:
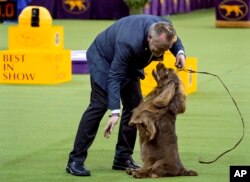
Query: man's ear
[[175, 39], [149, 37]]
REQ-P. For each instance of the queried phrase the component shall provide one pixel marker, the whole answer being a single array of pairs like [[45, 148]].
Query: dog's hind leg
[[142, 172], [189, 173]]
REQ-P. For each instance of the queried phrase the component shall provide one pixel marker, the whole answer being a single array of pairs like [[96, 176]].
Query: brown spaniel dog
[[155, 119]]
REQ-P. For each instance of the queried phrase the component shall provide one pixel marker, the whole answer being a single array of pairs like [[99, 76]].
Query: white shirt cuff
[[180, 52], [116, 111]]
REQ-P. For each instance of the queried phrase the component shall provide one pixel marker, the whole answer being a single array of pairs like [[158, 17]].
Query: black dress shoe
[[124, 164], [77, 169]]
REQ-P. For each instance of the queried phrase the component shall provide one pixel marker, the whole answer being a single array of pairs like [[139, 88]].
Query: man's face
[[159, 44]]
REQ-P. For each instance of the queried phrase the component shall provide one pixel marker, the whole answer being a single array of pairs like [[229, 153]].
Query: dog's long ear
[[149, 125], [134, 122], [165, 96], [135, 119], [146, 122], [182, 98], [178, 105]]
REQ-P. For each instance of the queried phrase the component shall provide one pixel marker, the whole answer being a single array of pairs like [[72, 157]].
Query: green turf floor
[[38, 123]]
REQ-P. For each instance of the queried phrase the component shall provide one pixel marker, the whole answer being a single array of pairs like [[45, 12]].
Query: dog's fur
[[155, 119]]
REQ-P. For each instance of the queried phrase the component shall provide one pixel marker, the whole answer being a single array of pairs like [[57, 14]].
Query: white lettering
[[237, 173], [243, 172], [240, 173]]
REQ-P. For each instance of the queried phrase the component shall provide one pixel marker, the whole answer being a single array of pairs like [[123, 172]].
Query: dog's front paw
[[136, 175], [129, 171], [153, 175]]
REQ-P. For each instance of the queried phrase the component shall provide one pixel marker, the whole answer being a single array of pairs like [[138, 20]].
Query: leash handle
[[242, 120]]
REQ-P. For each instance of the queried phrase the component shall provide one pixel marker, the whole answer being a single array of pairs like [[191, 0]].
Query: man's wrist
[[114, 114], [181, 52]]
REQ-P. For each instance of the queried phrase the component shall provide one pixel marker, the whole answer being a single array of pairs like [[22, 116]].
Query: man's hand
[[180, 61], [110, 126]]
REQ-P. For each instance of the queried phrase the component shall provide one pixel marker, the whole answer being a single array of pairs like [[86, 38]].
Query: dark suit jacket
[[121, 52]]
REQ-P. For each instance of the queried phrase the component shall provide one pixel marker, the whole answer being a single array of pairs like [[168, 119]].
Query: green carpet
[[38, 123]]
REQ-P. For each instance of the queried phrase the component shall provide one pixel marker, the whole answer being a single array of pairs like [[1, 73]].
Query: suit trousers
[[130, 97]]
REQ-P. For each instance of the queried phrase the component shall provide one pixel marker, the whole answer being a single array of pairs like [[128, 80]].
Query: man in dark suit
[[116, 60]]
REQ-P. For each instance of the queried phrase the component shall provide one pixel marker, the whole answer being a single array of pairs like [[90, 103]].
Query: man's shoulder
[[141, 17]]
